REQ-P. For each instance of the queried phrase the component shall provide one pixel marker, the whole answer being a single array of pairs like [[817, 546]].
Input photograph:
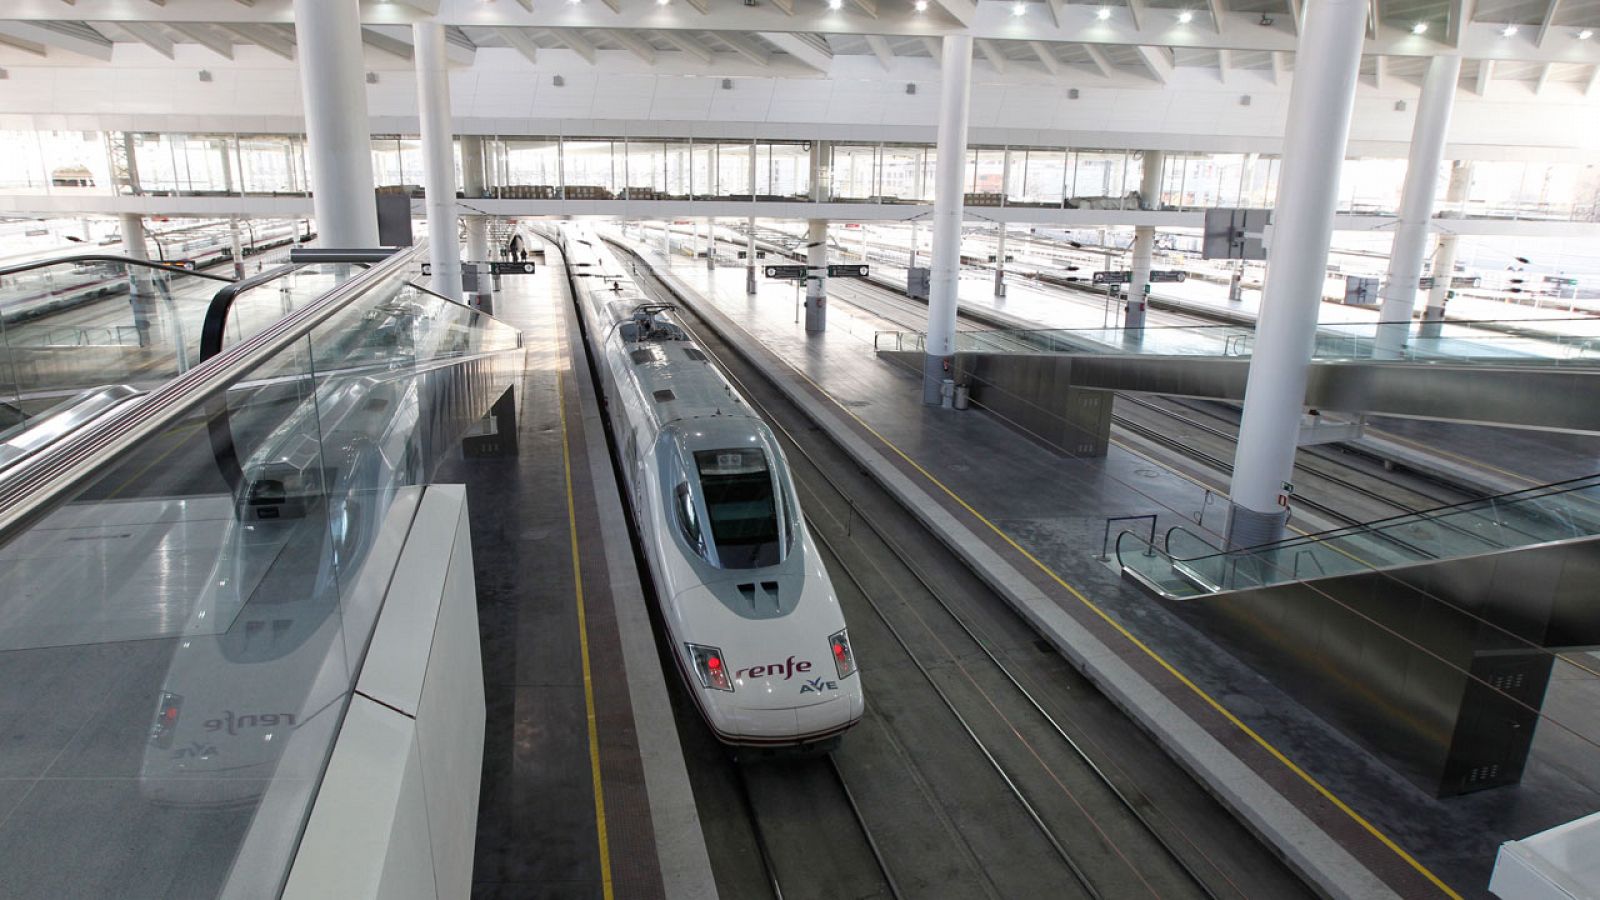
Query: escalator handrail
[[214, 328], [108, 258], [39, 485]]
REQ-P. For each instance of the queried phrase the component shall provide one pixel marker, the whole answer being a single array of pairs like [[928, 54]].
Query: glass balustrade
[[178, 638]]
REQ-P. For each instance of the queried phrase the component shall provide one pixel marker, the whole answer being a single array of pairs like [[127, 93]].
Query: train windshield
[[741, 505]]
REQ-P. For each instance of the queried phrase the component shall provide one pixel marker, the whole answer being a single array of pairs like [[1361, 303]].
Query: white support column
[[474, 185], [666, 241], [438, 157], [133, 243], [1444, 256], [338, 145], [817, 275], [914, 238], [1399, 289], [1327, 68], [949, 181], [711, 243], [1000, 260], [750, 236], [141, 283], [750, 258], [236, 246], [1144, 241]]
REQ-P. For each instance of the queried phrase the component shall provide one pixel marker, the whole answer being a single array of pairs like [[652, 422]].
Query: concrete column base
[[1250, 528], [816, 312], [750, 280], [935, 369]]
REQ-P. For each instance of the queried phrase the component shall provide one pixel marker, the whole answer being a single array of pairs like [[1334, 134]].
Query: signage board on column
[[508, 267], [745, 254], [847, 271], [1113, 277], [1235, 234], [1360, 291], [1167, 276], [788, 272]]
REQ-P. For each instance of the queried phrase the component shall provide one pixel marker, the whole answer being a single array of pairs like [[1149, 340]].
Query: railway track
[[985, 766], [1331, 486]]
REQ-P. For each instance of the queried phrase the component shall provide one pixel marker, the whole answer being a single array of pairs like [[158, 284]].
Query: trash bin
[[947, 393], [963, 396]]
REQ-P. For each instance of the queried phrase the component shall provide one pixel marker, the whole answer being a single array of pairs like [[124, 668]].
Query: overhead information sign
[[784, 271], [499, 267], [1158, 276], [1122, 277], [847, 271]]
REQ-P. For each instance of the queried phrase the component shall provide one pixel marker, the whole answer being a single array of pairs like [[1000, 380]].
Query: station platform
[[584, 791], [1033, 524]]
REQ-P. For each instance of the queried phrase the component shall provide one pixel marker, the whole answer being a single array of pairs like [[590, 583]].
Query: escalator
[[1438, 640], [190, 579]]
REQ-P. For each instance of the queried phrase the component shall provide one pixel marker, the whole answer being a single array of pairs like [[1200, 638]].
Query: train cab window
[[688, 519], [738, 488]]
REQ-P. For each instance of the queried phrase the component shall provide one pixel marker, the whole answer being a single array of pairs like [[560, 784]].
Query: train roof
[[681, 383]]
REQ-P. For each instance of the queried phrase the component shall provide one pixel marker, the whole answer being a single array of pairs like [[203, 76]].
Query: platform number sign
[[1113, 277], [788, 272], [847, 271], [510, 268]]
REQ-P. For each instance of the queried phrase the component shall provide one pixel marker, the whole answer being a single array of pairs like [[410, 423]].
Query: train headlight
[[711, 667], [843, 659]]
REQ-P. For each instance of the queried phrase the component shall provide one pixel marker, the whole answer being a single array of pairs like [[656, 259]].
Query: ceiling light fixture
[[921, 5], [1103, 13], [835, 4], [1508, 31], [1186, 17], [1585, 34], [1019, 8], [1420, 28]]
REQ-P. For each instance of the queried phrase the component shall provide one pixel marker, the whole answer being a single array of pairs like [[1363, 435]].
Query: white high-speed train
[[754, 623]]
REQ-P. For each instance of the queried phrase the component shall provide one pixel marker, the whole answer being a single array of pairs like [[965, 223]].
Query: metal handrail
[[108, 258], [214, 328], [37, 486]]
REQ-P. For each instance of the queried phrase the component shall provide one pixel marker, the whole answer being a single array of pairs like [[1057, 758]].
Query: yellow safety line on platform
[[1158, 658], [583, 647]]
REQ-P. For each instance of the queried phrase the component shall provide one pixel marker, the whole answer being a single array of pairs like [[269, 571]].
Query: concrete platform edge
[[680, 843], [1319, 859]]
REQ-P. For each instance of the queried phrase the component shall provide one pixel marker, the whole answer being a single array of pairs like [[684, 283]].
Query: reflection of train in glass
[[755, 626], [71, 176], [261, 655], [270, 647]]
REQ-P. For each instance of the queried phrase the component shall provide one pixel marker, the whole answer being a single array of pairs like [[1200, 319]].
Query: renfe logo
[[231, 724], [787, 669]]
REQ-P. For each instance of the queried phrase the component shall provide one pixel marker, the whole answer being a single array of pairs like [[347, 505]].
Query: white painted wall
[[502, 93], [396, 814]]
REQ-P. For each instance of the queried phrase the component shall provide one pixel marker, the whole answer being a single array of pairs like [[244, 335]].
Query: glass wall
[[855, 173], [1101, 179], [905, 175], [530, 168], [397, 162], [1036, 178], [549, 168], [783, 171], [592, 169], [272, 164]]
